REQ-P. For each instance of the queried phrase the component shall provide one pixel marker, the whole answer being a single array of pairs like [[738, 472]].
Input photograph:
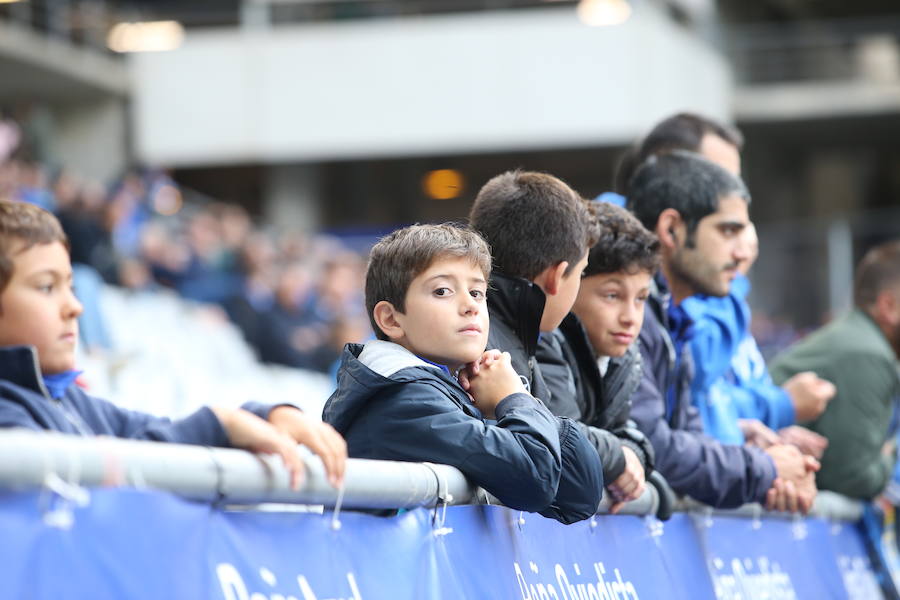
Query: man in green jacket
[[859, 353]]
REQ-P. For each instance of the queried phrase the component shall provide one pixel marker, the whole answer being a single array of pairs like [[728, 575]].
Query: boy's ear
[[386, 318], [551, 278]]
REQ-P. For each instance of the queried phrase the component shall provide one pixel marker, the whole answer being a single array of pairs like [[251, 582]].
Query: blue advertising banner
[[143, 544]]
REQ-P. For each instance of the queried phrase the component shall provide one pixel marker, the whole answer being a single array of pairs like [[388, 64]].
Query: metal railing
[[30, 460], [35, 460]]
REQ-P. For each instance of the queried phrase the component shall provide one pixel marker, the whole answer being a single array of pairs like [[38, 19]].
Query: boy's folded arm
[[202, 427], [581, 477], [581, 480], [517, 460]]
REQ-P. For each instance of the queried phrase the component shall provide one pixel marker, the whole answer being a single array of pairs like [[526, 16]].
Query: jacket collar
[[386, 358], [520, 304], [19, 365], [576, 336]]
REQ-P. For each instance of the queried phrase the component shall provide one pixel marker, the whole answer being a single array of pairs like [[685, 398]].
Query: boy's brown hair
[[532, 221], [22, 226], [624, 245], [401, 256]]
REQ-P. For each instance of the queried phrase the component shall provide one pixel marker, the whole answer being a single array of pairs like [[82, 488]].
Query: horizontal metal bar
[[828, 505], [236, 477], [218, 474]]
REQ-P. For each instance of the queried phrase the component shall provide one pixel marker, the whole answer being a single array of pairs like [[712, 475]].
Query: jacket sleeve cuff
[[262, 410], [766, 475], [517, 400], [201, 428], [784, 410], [642, 456]]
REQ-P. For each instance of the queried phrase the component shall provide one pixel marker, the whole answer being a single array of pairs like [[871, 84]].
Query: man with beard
[[699, 210], [859, 352], [731, 388]]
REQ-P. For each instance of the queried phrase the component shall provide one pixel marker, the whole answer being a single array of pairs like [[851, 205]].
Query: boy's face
[[611, 307], [446, 318], [38, 307], [558, 305]]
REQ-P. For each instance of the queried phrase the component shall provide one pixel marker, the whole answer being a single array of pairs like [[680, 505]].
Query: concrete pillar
[[91, 138], [292, 195]]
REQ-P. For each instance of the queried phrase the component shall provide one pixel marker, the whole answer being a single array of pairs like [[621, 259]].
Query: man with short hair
[[859, 352], [737, 399], [699, 211], [715, 141]]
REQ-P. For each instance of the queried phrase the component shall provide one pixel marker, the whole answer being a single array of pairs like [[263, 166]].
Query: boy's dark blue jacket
[[25, 402], [721, 475], [392, 405]]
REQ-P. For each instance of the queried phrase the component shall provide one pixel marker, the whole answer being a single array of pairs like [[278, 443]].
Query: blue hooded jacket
[[731, 381], [392, 405]]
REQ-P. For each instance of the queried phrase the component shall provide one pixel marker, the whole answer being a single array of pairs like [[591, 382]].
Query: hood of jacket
[[367, 370]]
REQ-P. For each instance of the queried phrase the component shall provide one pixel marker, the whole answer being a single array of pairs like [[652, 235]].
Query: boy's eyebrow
[[448, 276], [613, 280], [731, 224], [53, 272]]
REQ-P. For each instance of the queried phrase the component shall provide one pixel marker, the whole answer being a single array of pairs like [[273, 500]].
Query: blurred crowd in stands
[[297, 298]]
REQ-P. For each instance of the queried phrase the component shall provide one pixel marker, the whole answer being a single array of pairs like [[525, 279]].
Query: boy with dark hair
[[539, 231], [38, 333], [592, 352], [398, 397]]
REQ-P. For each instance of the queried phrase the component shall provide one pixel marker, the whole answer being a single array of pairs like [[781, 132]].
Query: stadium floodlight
[[598, 13], [148, 36]]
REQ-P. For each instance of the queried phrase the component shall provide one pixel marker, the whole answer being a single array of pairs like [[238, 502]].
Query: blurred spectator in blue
[[288, 334], [164, 251], [211, 274], [127, 213], [80, 209], [32, 185], [256, 295], [309, 324]]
